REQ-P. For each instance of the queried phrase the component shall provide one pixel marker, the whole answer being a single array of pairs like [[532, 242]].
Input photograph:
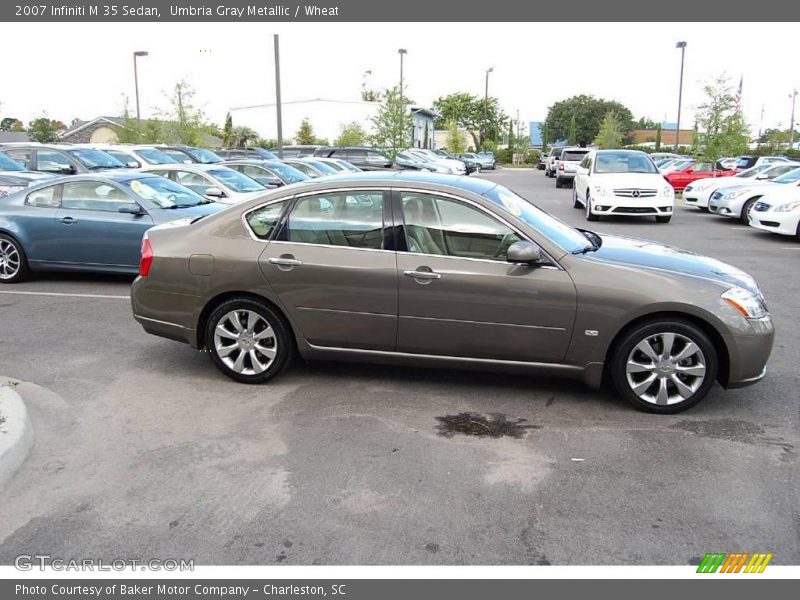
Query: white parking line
[[790, 248], [106, 296]]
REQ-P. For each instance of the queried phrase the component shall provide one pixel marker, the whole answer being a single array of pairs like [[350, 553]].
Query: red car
[[680, 179]]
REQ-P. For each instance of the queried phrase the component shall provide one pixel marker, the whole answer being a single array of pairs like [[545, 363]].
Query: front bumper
[[632, 207], [749, 353], [726, 208], [697, 198], [783, 223]]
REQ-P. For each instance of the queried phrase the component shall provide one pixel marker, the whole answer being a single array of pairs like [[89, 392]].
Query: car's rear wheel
[[248, 341], [666, 219], [664, 366], [13, 263], [589, 215], [745, 210]]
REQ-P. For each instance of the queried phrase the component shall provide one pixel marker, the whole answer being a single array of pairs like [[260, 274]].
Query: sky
[[82, 70]]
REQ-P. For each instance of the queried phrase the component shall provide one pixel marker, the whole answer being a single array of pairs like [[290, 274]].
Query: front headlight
[[668, 192], [7, 190], [697, 187], [789, 207], [600, 191], [734, 195], [747, 303]]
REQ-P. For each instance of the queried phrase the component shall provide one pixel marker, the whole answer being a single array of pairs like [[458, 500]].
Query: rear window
[[745, 162], [576, 155]]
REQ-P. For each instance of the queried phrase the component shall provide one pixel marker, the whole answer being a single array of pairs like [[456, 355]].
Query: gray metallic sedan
[[433, 270]]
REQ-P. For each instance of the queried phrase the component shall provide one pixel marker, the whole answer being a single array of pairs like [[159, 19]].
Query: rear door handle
[[422, 274], [68, 220], [285, 262]]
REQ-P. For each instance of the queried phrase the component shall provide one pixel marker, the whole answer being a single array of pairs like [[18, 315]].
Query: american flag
[[738, 97]]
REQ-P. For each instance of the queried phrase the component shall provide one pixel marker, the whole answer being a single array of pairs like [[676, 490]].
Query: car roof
[[187, 167], [120, 176]]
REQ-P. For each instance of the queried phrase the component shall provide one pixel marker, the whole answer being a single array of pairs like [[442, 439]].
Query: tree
[[454, 141], [646, 123], [425, 135], [351, 134], [543, 127], [227, 131], [44, 130], [467, 110], [11, 124], [588, 113], [305, 134], [658, 137], [241, 136], [393, 123], [572, 137], [182, 121], [723, 130], [610, 134]]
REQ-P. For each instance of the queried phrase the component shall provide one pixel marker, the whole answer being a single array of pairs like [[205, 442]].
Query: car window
[[7, 164], [179, 156], [51, 160], [263, 220], [95, 159], [193, 181], [305, 169], [21, 155], [573, 154], [352, 219], [45, 198], [287, 172], [93, 195], [164, 192], [235, 180], [155, 157], [122, 157], [440, 226]]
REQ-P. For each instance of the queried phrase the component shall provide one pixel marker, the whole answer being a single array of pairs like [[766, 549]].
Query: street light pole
[[402, 52], [793, 96], [486, 105], [136, 55], [682, 46], [278, 95]]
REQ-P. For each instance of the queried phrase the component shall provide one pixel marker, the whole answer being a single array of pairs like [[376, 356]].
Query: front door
[[459, 296], [334, 272], [91, 229]]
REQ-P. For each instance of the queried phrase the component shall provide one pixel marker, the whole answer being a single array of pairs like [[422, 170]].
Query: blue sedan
[[89, 222]]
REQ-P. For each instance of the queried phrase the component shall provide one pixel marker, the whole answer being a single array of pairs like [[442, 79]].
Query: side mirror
[[214, 192], [523, 252], [132, 164], [762, 176], [65, 169], [131, 209]]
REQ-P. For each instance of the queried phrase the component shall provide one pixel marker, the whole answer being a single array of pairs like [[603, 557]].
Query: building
[[647, 137], [103, 130], [536, 131], [327, 117], [440, 139], [7, 137]]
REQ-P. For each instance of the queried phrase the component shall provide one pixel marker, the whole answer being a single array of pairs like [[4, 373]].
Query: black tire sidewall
[[23, 272], [279, 326], [636, 335], [746, 209]]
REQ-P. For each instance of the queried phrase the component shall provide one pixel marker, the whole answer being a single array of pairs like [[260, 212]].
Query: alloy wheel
[[10, 260], [665, 368], [245, 342]]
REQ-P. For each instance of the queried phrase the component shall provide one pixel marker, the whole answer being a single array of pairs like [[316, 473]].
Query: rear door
[[92, 231], [334, 269]]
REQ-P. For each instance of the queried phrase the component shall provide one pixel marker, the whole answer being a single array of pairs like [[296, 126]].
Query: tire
[[575, 202], [663, 219], [589, 215], [695, 373], [262, 358], [558, 182], [13, 262], [746, 209]]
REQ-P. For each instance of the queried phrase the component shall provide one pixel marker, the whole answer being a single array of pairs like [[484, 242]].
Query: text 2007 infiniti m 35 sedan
[[425, 269]]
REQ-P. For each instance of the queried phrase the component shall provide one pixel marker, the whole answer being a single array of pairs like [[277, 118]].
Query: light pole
[[682, 46], [136, 55], [402, 52], [278, 95], [793, 96], [486, 104]]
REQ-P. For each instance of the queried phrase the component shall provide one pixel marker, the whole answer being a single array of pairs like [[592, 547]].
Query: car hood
[[629, 180], [25, 178], [165, 215], [661, 257], [755, 184]]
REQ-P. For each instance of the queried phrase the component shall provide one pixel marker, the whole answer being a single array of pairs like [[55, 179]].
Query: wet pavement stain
[[494, 425]]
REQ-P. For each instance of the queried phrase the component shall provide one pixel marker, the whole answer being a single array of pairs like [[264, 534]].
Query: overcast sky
[[83, 70]]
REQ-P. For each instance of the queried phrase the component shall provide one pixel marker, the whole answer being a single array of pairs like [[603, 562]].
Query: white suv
[[622, 182]]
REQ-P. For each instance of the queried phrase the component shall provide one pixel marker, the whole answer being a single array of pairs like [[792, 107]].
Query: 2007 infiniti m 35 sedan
[[424, 269]]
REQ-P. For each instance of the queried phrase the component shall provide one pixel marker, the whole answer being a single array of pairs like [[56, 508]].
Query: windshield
[[95, 159], [745, 162], [623, 162], [754, 171], [264, 153], [287, 173], [204, 156], [7, 164], [164, 193], [155, 157], [325, 168], [571, 240], [789, 177], [236, 181]]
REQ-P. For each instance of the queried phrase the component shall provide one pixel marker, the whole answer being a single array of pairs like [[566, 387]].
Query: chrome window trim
[[512, 227]]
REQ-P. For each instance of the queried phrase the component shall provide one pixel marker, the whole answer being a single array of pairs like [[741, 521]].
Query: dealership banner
[[387, 589], [406, 11]]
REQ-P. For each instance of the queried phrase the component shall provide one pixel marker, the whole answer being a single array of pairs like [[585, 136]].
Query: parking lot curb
[[16, 432]]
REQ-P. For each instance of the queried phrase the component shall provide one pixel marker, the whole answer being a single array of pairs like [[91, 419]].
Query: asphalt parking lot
[[143, 449]]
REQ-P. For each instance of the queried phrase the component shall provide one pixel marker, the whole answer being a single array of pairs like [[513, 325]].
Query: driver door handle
[[68, 220], [422, 274], [285, 262]]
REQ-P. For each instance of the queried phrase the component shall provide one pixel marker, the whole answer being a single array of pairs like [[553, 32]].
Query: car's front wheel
[[590, 216], [743, 217], [13, 263], [575, 202], [248, 341], [664, 366]]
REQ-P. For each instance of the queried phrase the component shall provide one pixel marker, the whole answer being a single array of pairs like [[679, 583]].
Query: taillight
[[560, 166], [146, 258]]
